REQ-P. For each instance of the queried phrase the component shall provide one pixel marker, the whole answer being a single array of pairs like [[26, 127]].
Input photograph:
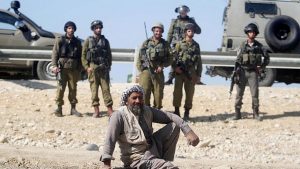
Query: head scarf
[[128, 91]]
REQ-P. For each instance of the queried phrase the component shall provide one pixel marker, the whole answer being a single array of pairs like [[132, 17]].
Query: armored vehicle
[[17, 32], [278, 22]]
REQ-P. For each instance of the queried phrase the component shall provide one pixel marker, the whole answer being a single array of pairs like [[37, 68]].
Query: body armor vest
[[97, 51]]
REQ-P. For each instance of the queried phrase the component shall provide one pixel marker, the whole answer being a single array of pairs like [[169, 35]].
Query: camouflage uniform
[[67, 52], [96, 54], [158, 53], [189, 60], [176, 33], [249, 57]]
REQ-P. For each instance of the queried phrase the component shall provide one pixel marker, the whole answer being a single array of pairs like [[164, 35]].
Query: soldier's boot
[[109, 110], [256, 115], [58, 111], [186, 116], [97, 112], [169, 81], [238, 114], [74, 111], [177, 111]]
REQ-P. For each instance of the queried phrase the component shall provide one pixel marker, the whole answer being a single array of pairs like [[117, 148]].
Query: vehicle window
[[261, 8], [7, 21]]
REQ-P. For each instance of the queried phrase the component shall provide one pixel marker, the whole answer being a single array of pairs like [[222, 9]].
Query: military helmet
[[190, 26], [96, 22], [69, 23], [158, 25], [182, 8], [251, 27]]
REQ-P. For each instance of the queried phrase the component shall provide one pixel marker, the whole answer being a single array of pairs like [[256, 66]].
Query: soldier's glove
[[192, 138]]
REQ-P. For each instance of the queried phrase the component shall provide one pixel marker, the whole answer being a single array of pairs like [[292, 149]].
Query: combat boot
[[169, 81], [109, 110], [74, 111], [177, 111], [97, 112], [186, 116], [58, 111], [256, 115], [238, 114]]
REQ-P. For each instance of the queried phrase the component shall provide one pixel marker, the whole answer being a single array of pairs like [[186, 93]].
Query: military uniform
[[96, 54], [176, 33], [67, 51], [189, 61], [250, 57], [158, 53]]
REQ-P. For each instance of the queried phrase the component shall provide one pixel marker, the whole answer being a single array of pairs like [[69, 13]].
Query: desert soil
[[32, 137]]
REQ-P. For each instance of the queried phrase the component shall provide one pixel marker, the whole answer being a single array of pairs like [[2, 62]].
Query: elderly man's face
[[135, 102]]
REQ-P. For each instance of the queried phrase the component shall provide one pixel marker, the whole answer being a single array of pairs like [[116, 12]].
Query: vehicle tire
[[44, 72], [282, 33], [268, 78]]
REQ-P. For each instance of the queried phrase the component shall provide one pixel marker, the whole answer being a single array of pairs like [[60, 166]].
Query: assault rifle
[[146, 61], [58, 74], [235, 77], [185, 69]]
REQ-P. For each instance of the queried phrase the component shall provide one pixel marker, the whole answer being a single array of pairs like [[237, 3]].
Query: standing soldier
[[67, 65], [176, 33], [96, 60], [154, 56], [188, 67], [250, 60]]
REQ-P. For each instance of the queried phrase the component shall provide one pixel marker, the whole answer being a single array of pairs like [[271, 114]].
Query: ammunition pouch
[[98, 56]]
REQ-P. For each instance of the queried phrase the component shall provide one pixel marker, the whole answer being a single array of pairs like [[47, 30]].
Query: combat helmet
[[251, 27], [189, 26], [69, 23], [96, 22], [182, 8], [158, 25]]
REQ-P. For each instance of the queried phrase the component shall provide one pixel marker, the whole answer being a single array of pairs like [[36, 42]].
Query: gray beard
[[135, 109]]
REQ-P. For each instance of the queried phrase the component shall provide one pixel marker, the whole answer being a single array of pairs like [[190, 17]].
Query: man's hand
[[192, 138], [195, 79], [89, 70], [107, 164], [159, 69], [55, 70], [178, 70]]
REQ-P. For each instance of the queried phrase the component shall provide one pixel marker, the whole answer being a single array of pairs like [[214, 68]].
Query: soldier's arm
[[239, 54], [266, 56], [171, 31], [199, 63], [169, 56], [115, 127], [84, 52], [55, 52], [109, 53], [139, 58]]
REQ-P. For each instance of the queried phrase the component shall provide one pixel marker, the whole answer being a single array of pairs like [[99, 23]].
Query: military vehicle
[[278, 22], [17, 31]]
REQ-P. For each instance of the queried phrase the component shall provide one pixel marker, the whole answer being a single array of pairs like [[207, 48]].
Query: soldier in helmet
[[249, 57], [176, 33], [96, 60], [153, 57], [188, 67], [66, 61]]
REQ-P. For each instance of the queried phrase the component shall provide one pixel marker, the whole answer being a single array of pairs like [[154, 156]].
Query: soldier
[[250, 60], [131, 126], [67, 64], [188, 68], [176, 33], [96, 60], [153, 57]]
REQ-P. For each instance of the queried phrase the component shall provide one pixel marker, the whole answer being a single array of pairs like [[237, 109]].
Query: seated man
[[131, 127]]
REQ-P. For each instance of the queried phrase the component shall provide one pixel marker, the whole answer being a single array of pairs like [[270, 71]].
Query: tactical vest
[[251, 56], [156, 53], [69, 49], [97, 52], [188, 54]]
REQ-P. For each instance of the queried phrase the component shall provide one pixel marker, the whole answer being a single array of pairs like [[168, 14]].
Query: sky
[[123, 22]]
